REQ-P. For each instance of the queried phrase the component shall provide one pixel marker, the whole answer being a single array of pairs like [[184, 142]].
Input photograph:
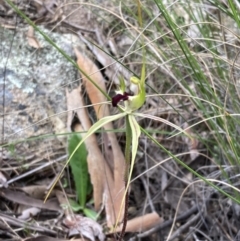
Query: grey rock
[[34, 78]]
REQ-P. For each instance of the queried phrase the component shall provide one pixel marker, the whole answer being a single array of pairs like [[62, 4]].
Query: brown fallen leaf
[[64, 203], [35, 191], [84, 226], [46, 238], [102, 110], [22, 198], [3, 180], [29, 212], [113, 69], [143, 223], [32, 41], [191, 143], [95, 158], [101, 175]]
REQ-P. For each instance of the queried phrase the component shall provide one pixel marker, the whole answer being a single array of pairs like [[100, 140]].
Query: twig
[[35, 170], [19, 223], [185, 226]]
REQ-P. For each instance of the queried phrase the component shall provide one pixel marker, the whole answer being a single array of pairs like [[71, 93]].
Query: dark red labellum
[[119, 97]]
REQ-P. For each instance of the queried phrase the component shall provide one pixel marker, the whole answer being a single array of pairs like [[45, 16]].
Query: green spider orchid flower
[[133, 131], [133, 102]]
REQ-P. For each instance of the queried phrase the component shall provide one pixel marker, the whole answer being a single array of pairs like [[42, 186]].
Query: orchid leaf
[[132, 131], [92, 130], [79, 167], [75, 206], [90, 213], [152, 117], [135, 129], [95, 127]]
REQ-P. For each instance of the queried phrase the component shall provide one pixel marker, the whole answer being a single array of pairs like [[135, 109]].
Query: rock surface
[[35, 82]]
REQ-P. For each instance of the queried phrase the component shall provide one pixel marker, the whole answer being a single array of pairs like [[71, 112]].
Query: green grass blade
[[190, 169], [152, 117]]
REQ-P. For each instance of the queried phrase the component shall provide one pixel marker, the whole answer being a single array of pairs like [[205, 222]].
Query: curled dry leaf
[[143, 223], [29, 212], [84, 226], [191, 143], [3, 180]]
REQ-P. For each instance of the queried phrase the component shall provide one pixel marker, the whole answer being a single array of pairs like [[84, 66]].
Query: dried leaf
[[29, 212], [21, 198], [101, 110], [192, 143], [84, 226], [32, 41], [95, 158], [64, 203], [94, 94], [143, 223], [3, 180], [35, 191]]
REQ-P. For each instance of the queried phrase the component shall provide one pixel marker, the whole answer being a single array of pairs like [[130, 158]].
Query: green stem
[[128, 161], [129, 137], [128, 146]]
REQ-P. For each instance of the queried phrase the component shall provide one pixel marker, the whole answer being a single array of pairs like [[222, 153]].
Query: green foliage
[[217, 88], [90, 213], [75, 206], [79, 167]]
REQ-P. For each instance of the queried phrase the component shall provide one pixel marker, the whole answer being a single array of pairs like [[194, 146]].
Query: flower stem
[[128, 161]]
